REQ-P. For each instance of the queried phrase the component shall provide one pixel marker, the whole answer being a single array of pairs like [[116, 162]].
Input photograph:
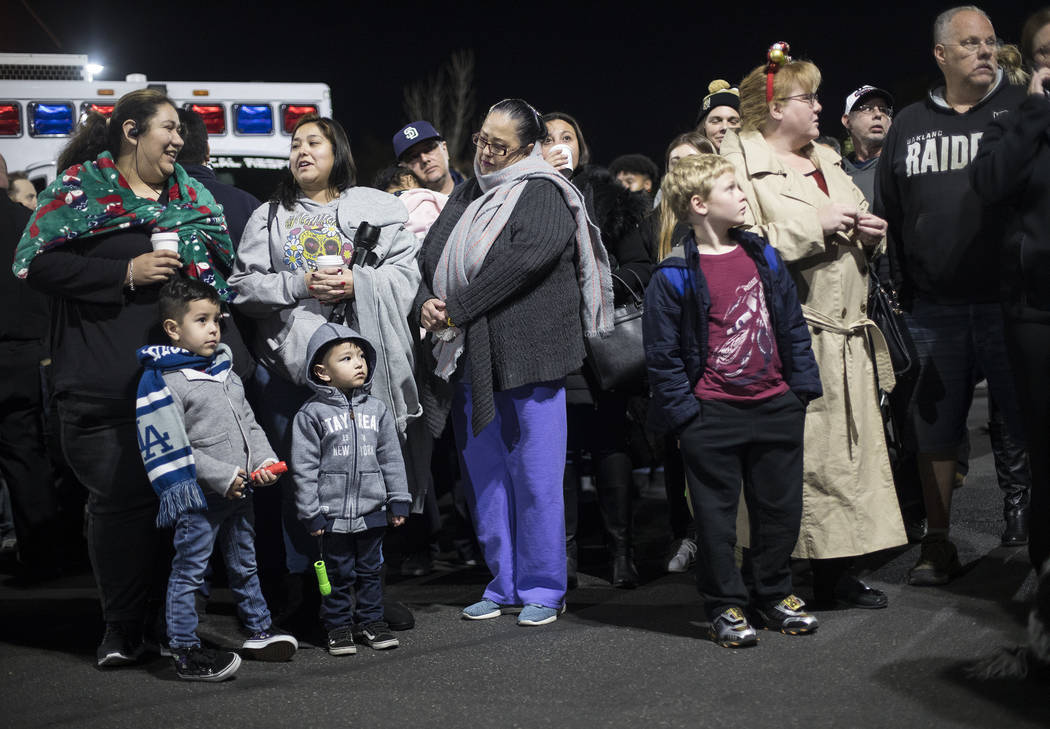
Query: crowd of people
[[198, 343]]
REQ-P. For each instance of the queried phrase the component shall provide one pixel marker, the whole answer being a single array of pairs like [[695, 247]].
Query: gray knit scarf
[[481, 224]]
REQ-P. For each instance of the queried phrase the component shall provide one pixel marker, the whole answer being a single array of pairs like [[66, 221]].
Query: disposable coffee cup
[[330, 262], [167, 241], [567, 150]]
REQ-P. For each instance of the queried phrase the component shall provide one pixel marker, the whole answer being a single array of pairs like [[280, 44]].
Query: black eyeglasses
[[810, 99], [495, 148], [872, 108]]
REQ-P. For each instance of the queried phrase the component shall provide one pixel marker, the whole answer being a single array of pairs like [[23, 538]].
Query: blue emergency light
[[253, 118], [50, 119]]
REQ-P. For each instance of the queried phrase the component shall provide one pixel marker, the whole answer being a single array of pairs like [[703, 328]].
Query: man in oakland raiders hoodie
[[943, 245]]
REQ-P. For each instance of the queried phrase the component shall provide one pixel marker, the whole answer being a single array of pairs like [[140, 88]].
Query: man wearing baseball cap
[[420, 148], [867, 118]]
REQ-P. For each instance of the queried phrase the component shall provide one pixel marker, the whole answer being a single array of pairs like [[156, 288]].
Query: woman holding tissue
[[514, 277], [598, 418], [297, 268], [88, 247], [800, 198]]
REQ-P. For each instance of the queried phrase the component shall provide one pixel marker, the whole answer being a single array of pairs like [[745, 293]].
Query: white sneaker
[[683, 555]]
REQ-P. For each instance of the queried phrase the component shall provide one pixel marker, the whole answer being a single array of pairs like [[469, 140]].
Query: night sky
[[633, 77]]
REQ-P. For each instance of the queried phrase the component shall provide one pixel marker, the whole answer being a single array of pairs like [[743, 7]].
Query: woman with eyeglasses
[[1012, 170], [514, 277], [800, 198]]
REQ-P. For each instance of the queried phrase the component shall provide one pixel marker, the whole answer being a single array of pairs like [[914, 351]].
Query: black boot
[[1014, 476], [570, 491], [614, 497]]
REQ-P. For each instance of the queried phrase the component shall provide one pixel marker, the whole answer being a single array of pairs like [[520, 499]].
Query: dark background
[[632, 74]]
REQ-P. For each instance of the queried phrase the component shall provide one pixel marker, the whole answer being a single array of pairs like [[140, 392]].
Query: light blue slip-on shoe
[[482, 610], [539, 615]]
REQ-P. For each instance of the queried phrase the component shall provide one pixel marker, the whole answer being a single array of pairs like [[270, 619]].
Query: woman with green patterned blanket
[[88, 247]]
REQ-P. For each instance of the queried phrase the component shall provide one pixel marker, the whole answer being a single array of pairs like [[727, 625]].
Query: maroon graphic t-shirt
[[742, 359]]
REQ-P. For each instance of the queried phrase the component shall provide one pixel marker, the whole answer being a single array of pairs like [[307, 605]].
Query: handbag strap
[[638, 299]]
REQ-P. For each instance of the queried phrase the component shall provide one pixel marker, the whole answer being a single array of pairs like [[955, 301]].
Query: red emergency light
[[105, 110], [10, 119], [291, 113], [214, 116]]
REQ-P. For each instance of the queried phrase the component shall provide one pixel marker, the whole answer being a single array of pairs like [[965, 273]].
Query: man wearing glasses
[[944, 253], [867, 118], [420, 148]]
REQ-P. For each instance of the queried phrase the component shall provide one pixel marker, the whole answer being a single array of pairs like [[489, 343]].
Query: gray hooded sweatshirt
[[268, 276], [346, 458]]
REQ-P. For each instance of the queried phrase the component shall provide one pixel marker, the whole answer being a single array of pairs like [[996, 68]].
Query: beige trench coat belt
[[880, 352]]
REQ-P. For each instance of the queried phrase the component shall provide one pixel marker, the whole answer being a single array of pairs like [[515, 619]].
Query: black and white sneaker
[[730, 629], [121, 645], [377, 635], [341, 641], [789, 616], [268, 645], [203, 664]]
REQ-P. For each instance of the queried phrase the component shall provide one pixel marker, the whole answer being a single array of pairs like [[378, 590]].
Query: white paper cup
[[330, 262], [167, 241], [568, 153]]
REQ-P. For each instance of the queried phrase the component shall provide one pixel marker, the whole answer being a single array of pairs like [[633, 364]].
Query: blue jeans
[[232, 523], [958, 344], [354, 563]]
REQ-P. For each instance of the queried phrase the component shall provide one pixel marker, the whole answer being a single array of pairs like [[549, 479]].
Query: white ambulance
[[43, 96]]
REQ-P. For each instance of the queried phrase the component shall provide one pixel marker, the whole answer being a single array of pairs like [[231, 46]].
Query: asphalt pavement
[[617, 658]]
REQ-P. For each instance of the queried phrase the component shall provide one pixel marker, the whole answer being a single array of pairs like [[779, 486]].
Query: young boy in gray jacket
[[199, 442], [349, 483]]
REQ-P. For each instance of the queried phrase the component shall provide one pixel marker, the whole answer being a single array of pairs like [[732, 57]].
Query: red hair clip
[[776, 57]]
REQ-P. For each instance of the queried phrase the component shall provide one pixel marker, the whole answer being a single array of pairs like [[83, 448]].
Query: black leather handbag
[[885, 310], [618, 360]]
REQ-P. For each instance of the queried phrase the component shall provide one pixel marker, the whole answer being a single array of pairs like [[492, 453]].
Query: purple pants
[[514, 469]]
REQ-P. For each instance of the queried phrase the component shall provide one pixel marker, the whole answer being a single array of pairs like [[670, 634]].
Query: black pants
[[99, 440], [757, 445], [23, 458], [1029, 347], [600, 429], [354, 563]]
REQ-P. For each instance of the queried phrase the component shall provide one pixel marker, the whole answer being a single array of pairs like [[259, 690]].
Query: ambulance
[[44, 96]]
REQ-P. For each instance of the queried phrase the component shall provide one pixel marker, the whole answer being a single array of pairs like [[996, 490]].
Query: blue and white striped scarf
[[163, 442]]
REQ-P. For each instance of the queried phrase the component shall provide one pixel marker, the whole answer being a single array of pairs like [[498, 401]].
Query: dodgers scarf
[[93, 198], [163, 442]]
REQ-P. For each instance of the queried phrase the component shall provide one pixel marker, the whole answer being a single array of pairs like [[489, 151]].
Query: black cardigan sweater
[[520, 314]]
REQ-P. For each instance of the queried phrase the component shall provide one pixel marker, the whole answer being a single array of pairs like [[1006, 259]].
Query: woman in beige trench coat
[[800, 198]]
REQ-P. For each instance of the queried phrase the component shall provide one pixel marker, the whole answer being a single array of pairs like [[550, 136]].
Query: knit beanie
[[719, 94]]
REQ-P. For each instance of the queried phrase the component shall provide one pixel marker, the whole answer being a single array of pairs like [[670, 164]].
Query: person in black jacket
[[598, 418], [731, 369], [24, 465], [1013, 168], [943, 247]]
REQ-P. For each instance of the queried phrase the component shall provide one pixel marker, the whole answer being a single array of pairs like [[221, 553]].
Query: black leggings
[[1029, 347]]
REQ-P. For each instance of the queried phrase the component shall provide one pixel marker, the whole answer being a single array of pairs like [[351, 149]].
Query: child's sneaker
[[265, 645], [341, 641], [731, 629], [789, 616], [202, 664], [377, 635], [682, 555], [532, 615]]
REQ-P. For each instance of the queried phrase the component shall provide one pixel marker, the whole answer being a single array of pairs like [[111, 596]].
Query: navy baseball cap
[[413, 133]]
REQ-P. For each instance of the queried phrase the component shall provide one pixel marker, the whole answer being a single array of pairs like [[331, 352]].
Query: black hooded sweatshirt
[[943, 240]]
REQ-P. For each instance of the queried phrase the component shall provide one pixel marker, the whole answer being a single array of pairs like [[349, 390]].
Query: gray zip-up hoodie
[[346, 458]]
